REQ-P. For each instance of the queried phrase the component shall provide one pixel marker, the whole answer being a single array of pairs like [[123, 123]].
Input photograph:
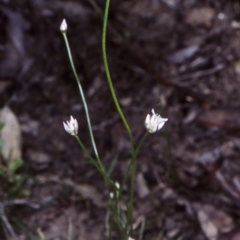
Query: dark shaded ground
[[179, 57]]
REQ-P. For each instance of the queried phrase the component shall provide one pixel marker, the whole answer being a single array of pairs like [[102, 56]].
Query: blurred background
[[180, 57]]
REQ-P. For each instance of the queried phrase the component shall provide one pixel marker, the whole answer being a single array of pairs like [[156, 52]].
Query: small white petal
[[111, 195], [67, 129], [117, 185], [147, 119], [63, 26]]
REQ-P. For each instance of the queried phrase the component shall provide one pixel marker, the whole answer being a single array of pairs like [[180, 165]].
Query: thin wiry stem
[[82, 94], [115, 99], [109, 79], [101, 167], [93, 161]]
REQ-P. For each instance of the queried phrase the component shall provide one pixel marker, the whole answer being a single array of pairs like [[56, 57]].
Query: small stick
[[7, 223], [201, 73], [4, 217], [21, 202]]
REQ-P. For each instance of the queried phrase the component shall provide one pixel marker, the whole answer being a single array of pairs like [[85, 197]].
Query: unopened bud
[[63, 26]]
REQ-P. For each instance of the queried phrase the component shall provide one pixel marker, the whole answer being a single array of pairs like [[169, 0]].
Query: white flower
[[63, 26], [155, 122], [117, 185], [71, 126], [129, 238], [111, 195]]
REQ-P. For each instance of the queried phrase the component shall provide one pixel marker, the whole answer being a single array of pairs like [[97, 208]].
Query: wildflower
[[129, 238], [71, 126], [63, 26], [111, 195], [117, 185], [155, 122]]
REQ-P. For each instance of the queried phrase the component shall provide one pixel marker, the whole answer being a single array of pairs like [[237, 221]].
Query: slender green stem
[[108, 225], [101, 167], [96, 7], [83, 148], [115, 99], [132, 169], [142, 230], [141, 143], [134, 173], [134, 155], [130, 209], [109, 79], [84, 103], [93, 161], [82, 94], [70, 230]]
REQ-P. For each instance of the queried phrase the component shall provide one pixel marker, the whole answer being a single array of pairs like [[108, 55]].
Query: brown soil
[[180, 58]]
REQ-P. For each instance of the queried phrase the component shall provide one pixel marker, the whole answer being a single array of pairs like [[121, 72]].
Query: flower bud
[[63, 26]]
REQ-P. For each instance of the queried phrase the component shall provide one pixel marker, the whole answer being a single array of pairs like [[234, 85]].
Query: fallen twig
[[7, 223], [201, 73], [4, 218]]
